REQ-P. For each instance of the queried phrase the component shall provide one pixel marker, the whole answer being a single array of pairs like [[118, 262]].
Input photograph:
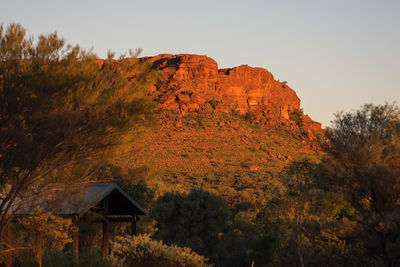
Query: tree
[[289, 213], [303, 221], [197, 220], [61, 106], [364, 165], [299, 179], [45, 226]]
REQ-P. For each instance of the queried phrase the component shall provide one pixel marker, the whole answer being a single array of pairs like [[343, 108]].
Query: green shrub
[[143, 251], [199, 220], [297, 117], [214, 103], [250, 117]]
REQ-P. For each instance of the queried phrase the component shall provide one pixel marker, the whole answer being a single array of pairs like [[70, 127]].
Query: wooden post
[[105, 229], [133, 225], [105, 239], [75, 220], [39, 248]]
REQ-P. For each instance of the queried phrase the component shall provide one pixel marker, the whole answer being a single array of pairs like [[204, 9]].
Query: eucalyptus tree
[[364, 165], [59, 106]]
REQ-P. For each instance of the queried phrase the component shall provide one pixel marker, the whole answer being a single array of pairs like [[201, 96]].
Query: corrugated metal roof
[[63, 199]]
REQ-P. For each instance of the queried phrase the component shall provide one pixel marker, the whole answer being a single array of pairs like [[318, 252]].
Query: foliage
[[216, 157], [347, 207], [131, 181], [61, 107], [235, 111], [141, 193], [296, 115], [143, 251], [250, 117], [364, 165], [288, 214], [63, 112], [214, 103], [198, 220], [305, 222], [367, 137], [34, 235], [299, 179], [53, 228]]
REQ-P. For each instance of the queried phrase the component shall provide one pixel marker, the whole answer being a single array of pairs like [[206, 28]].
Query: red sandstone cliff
[[190, 82], [193, 82]]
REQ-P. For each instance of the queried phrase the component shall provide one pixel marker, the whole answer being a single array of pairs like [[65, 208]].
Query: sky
[[336, 54]]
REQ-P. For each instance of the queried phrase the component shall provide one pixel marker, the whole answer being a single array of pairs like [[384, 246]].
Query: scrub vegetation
[[221, 189]]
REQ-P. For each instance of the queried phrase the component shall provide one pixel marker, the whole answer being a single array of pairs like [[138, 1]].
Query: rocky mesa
[[226, 130], [194, 82]]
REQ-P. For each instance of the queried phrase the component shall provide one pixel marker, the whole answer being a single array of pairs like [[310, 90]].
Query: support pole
[[133, 224], [105, 229], [105, 239], [39, 248], [75, 220]]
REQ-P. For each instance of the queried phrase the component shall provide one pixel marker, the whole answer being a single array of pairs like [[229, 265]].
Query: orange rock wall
[[191, 82]]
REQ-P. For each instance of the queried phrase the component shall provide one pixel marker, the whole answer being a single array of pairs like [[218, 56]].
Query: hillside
[[224, 162], [229, 130]]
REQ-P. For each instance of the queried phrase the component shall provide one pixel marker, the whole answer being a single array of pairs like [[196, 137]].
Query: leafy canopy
[[364, 165], [61, 106]]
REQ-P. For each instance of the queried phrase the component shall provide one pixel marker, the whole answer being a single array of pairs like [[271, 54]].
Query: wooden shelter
[[106, 200]]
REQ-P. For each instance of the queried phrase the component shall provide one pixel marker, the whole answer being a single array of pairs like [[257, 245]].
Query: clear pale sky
[[337, 54]]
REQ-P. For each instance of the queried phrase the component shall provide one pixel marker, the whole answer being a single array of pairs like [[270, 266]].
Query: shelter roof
[[64, 199]]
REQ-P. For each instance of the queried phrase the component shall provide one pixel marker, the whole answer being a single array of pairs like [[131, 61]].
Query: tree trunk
[[9, 255], [39, 248], [105, 239], [299, 240], [133, 225], [75, 220]]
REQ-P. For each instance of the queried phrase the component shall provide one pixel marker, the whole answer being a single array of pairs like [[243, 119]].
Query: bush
[[214, 103], [250, 117], [198, 220], [297, 117], [144, 251]]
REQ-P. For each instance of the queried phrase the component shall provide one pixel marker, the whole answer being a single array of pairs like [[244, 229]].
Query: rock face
[[192, 82]]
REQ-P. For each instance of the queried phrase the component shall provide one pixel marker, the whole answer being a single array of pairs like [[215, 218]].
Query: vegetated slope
[[220, 152], [229, 131]]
